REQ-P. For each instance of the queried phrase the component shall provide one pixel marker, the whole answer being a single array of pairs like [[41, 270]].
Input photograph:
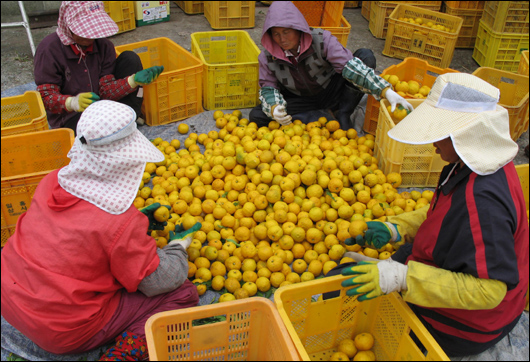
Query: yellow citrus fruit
[[328, 265], [307, 276], [226, 297], [364, 341], [218, 283], [347, 346], [299, 266], [232, 284], [357, 227], [275, 263], [251, 288], [183, 128], [364, 356], [339, 356], [263, 284], [161, 214], [276, 279]]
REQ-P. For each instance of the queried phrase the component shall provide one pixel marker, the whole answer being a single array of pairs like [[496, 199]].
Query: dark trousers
[[337, 101], [127, 64]]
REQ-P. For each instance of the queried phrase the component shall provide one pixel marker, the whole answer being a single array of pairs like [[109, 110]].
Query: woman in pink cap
[[81, 268], [76, 66]]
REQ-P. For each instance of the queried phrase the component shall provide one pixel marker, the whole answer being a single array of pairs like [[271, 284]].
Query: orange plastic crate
[[506, 16], [26, 159], [177, 93], [230, 14], [23, 113], [351, 4], [419, 165], [381, 10], [253, 331], [321, 13], [409, 69], [523, 65], [412, 40], [469, 30], [514, 96]]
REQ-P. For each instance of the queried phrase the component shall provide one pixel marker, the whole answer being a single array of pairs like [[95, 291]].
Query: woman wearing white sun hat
[[80, 268], [466, 273]]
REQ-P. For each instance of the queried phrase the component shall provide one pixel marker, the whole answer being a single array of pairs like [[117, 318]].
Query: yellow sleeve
[[408, 223], [428, 286]]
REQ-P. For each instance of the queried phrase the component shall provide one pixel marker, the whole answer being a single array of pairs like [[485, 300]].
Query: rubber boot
[[128, 347]]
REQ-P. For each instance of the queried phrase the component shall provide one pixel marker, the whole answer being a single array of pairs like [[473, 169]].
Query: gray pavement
[[17, 61]]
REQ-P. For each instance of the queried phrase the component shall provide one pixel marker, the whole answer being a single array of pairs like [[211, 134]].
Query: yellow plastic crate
[[506, 16], [26, 159], [191, 7], [317, 327], [470, 5], [412, 40], [351, 4], [381, 10], [419, 165], [342, 32], [252, 331], [321, 13], [231, 68], [514, 96], [499, 50], [22, 114], [177, 93], [365, 9], [523, 64], [409, 69], [230, 14], [122, 12], [469, 30]]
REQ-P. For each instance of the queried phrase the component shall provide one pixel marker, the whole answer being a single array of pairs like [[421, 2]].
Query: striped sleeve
[[364, 78], [269, 98]]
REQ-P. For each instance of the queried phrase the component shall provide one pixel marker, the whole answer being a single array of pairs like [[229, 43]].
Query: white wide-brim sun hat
[[108, 158], [463, 107]]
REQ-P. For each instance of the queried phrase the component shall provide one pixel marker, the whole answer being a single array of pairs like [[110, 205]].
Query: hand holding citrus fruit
[[157, 215]]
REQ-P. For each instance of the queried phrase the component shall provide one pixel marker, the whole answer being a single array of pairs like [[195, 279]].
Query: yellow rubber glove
[[81, 101]]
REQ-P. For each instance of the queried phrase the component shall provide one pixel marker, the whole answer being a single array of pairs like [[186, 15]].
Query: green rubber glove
[[147, 76], [373, 279], [183, 237], [378, 235], [148, 211], [81, 101]]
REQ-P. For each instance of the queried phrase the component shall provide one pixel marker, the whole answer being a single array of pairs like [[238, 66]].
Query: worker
[[305, 73], [80, 269], [77, 65], [465, 275]]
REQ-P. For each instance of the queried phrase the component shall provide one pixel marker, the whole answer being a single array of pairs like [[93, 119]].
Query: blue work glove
[[183, 237], [147, 76], [378, 235], [149, 211], [81, 101], [373, 279]]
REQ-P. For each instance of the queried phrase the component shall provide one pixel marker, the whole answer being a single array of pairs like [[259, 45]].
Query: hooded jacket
[[321, 56]]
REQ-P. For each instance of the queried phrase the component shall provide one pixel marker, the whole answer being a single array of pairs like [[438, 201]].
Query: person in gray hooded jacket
[[304, 73]]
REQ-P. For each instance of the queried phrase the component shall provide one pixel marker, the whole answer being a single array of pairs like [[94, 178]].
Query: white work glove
[[81, 101], [280, 115], [372, 280], [393, 98]]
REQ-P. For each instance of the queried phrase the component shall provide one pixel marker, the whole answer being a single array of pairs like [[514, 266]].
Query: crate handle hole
[[209, 320], [418, 343], [140, 50], [508, 80], [431, 73], [218, 38]]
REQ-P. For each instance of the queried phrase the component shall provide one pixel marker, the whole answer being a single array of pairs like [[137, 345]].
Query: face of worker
[[286, 38], [446, 150], [83, 42]]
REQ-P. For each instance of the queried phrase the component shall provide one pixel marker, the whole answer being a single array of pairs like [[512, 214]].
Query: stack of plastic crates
[[122, 12], [502, 35], [191, 7], [471, 13], [230, 14], [26, 159]]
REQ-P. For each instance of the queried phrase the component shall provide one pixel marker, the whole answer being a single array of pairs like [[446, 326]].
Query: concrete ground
[[17, 61]]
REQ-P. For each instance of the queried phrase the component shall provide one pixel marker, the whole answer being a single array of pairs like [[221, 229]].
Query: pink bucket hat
[[108, 157], [86, 19]]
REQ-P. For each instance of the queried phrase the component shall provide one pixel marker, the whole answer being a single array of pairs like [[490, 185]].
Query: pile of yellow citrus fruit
[[276, 203], [427, 24], [410, 89], [357, 349]]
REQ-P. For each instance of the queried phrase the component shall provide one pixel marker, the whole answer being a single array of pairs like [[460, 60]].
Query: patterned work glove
[[81, 101], [149, 211], [183, 237], [147, 76], [378, 234]]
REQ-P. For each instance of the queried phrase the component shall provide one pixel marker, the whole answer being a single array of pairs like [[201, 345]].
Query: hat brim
[[428, 124], [139, 148], [96, 26]]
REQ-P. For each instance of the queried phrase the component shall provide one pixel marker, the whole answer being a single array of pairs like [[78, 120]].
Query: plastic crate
[[230, 14], [412, 40], [506, 16], [514, 96], [468, 32], [253, 330], [381, 10], [342, 32], [122, 12], [351, 4], [321, 13], [26, 159], [470, 5], [419, 165], [523, 64], [409, 69], [22, 114], [191, 7], [231, 68], [365, 9], [317, 327], [499, 50], [177, 93]]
